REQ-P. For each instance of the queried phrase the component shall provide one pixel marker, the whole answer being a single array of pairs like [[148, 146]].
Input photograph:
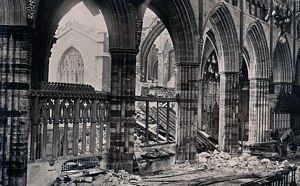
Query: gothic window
[[211, 91], [154, 73], [71, 67]]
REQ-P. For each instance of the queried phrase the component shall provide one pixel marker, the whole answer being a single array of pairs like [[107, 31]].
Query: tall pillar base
[[122, 109], [228, 113]]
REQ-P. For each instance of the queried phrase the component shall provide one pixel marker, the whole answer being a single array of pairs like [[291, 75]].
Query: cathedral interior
[[229, 69]]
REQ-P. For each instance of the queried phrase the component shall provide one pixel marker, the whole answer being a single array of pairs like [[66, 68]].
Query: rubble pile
[[243, 164], [108, 178]]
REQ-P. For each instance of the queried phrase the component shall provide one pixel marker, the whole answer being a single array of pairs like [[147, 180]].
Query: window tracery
[[71, 67]]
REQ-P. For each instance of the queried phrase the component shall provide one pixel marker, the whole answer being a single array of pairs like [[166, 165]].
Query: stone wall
[[91, 45]]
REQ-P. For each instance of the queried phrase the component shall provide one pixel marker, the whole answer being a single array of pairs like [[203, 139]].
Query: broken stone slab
[[205, 154], [285, 164], [225, 155], [265, 161], [233, 162], [216, 152], [202, 160]]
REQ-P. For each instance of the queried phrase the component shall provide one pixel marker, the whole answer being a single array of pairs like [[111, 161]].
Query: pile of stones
[[120, 178], [243, 164]]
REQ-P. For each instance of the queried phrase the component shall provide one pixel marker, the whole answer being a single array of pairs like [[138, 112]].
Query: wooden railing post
[[56, 135], [34, 128], [45, 118], [93, 126], [101, 113], [66, 117], [76, 126], [84, 121], [107, 121]]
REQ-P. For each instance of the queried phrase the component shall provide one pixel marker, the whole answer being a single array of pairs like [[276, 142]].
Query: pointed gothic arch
[[226, 37], [282, 63], [71, 67], [256, 38], [179, 19], [227, 44], [157, 27]]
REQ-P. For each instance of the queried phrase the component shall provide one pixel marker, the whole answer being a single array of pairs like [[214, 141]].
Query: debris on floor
[[97, 177], [154, 160], [245, 163], [156, 153], [87, 171], [205, 142], [220, 168]]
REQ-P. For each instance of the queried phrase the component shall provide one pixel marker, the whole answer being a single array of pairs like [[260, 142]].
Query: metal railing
[[81, 163], [280, 178]]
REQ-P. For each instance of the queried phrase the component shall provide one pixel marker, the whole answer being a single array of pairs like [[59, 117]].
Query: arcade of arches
[[231, 69]]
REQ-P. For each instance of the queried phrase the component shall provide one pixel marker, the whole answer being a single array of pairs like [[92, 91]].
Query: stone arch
[[208, 47], [259, 48], [157, 27], [246, 56], [259, 82], [282, 64], [179, 19], [46, 27], [226, 38], [227, 44], [71, 67]]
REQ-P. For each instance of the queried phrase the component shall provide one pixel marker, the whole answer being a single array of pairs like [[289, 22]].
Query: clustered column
[[258, 109], [15, 70], [228, 113], [122, 112], [187, 92]]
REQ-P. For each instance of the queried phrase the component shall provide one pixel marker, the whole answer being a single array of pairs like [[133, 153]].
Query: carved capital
[[31, 9]]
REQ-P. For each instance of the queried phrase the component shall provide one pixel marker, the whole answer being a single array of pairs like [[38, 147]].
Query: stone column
[[259, 115], [187, 94], [122, 111], [15, 71], [228, 113], [200, 102]]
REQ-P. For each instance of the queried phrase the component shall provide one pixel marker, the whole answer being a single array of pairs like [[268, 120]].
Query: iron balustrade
[[81, 163], [280, 178]]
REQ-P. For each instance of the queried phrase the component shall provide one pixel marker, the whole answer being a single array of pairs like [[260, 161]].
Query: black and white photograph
[[149, 92]]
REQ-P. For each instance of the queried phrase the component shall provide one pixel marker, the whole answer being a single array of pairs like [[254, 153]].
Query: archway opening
[[156, 78], [211, 96], [281, 83], [244, 103], [79, 64], [83, 38]]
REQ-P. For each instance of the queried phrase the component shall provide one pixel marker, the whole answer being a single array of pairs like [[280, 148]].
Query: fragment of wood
[[214, 180], [169, 176]]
